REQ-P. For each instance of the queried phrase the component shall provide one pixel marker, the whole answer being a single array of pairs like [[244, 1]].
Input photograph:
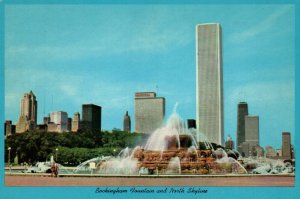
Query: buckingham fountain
[[172, 149]]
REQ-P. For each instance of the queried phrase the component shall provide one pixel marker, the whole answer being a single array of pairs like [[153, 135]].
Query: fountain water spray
[[175, 149]]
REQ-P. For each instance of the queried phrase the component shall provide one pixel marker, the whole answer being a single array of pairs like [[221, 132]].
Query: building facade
[[286, 145], [60, 119], [28, 113], [252, 130], [270, 152], [209, 78], [126, 122], [75, 122], [242, 111], [47, 119], [9, 128], [69, 124], [229, 144], [149, 112], [191, 123], [91, 117]]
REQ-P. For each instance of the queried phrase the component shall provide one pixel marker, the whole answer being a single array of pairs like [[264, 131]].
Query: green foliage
[[73, 148]]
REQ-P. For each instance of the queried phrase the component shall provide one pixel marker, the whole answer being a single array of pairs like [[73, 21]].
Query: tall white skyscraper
[[209, 86]]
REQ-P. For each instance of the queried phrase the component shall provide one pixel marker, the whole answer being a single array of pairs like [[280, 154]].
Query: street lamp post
[[56, 151], [9, 149]]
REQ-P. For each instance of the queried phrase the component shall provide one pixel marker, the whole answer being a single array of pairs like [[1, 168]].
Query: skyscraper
[[229, 144], [209, 86], [286, 145], [28, 113], [75, 122], [149, 111], [91, 117], [69, 124], [9, 128], [126, 123], [60, 118], [242, 111], [191, 123], [252, 131]]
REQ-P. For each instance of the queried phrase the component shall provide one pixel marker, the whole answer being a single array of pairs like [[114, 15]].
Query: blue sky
[[102, 54]]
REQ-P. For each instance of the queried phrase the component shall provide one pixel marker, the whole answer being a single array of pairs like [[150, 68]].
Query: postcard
[[150, 99]]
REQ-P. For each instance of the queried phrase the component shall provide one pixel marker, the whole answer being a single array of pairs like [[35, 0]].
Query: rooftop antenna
[[51, 102], [44, 105], [241, 97]]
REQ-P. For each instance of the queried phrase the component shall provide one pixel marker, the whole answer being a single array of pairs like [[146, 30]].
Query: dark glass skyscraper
[[91, 117], [241, 113], [191, 123]]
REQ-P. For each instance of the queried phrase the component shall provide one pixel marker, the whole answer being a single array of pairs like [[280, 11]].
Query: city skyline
[[155, 56]]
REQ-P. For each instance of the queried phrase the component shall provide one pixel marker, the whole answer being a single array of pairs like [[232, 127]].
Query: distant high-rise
[[47, 119], [126, 123], [75, 122], [69, 124], [60, 119], [9, 128], [149, 111], [242, 111], [191, 123], [28, 113], [209, 86], [229, 144], [252, 131], [286, 145], [270, 152], [91, 117]]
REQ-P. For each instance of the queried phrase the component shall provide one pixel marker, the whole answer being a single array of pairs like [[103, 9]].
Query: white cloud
[[260, 27], [69, 90], [265, 93]]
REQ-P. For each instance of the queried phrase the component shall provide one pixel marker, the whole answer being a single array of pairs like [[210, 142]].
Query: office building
[[229, 144], [209, 78], [242, 111], [191, 124], [279, 152], [149, 112], [46, 119], [126, 122], [252, 130], [60, 119], [286, 146], [75, 122], [69, 124], [245, 149], [9, 128], [42, 128], [91, 117], [270, 152], [28, 113]]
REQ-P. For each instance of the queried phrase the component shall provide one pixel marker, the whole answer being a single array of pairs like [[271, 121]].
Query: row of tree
[[68, 148]]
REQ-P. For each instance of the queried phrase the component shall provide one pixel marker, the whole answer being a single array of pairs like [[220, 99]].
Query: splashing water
[[175, 149], [174, 166]]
